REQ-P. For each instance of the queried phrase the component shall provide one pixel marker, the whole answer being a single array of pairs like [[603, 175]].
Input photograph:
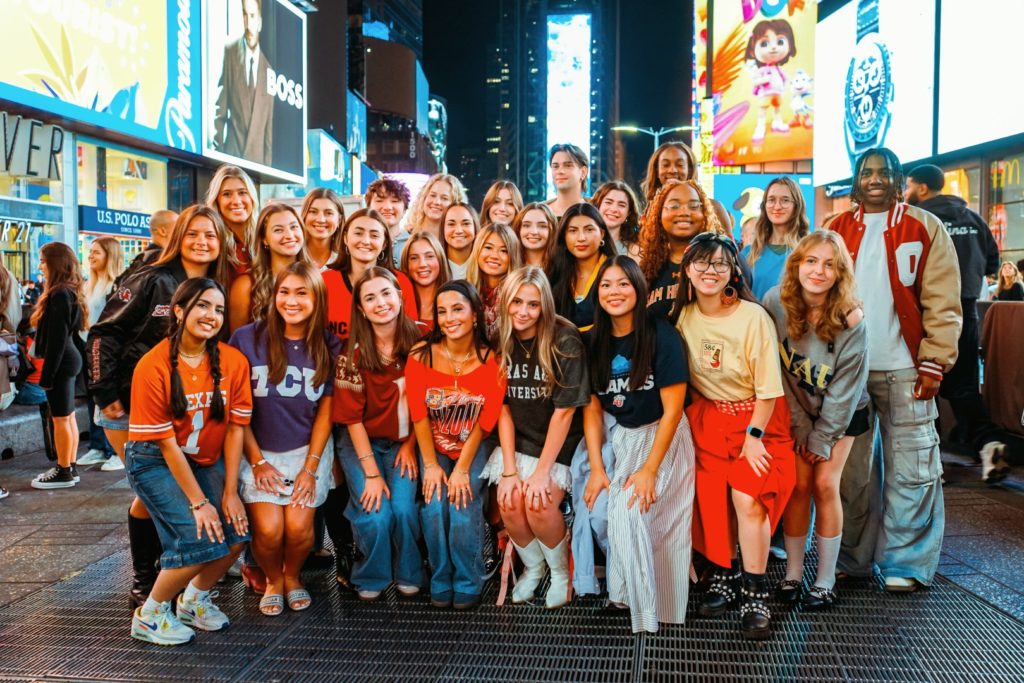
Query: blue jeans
[[455, 538], [97, 437], [589, 526], [388, 539]]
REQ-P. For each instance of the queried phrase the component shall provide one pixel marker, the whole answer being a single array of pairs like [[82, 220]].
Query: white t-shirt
[[458, 269], [886, 348]]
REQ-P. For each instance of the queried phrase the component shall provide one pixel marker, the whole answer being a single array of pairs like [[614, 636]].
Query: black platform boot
[[755, 617], [145, 547], [722, 592]]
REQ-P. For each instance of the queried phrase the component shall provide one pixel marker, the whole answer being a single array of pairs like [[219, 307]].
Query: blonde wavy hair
[[798, 225], [416, 216], [476, 276], [653, 240], [1001, 284], [839, 302], [223, 173]]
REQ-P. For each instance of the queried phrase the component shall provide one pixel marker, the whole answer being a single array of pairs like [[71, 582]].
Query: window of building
[[1006, 205]]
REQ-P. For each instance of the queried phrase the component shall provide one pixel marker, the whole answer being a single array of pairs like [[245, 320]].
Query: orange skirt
[[718, 435]]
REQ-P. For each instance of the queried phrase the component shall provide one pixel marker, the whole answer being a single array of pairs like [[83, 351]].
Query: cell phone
[[289, 484]]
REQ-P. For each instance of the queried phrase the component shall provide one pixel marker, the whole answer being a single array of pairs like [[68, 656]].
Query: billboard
[[978, 50], [254, 84], [741, 194], [762, 80], [125, 67], [355, 133], [568, 87], [874, 83]]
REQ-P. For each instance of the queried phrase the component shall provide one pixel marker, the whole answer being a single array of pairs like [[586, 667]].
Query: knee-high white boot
[[558, 560], [533, 571]]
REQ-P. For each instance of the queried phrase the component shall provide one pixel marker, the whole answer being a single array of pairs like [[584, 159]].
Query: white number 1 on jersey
[[191, 446]]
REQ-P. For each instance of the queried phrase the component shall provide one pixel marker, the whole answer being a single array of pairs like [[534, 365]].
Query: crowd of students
[[421, 372]]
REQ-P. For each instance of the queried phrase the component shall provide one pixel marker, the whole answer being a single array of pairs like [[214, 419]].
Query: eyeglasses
[[694, 205], [784, 202], [721, 267]]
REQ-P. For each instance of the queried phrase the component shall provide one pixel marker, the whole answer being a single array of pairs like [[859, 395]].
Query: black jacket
[[60, 322], [976, 249], [137, 316], [145, 258]]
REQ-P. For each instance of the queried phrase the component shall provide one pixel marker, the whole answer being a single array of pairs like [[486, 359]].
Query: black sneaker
[[74, 472], [492, 560], [344, 558], [56, 477]]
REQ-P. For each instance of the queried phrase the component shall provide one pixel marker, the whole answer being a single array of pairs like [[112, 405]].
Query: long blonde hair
[[417, 214], [841, 299], [476, 276], [548, 355], [223, 173], [262, 293], [1000, 286], [111, 247], [798, 225]]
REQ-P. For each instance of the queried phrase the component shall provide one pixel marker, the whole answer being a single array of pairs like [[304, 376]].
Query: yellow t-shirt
[[734, 357]]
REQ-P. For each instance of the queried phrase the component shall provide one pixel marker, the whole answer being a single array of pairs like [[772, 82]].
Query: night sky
[[656, 53]]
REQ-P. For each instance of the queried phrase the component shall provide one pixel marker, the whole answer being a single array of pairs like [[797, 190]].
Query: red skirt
[[718, 440]]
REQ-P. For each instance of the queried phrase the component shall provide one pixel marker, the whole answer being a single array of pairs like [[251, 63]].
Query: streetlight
[[656, 134]]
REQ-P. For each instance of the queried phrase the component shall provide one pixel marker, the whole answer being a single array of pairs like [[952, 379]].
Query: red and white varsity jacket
[[925, 280]]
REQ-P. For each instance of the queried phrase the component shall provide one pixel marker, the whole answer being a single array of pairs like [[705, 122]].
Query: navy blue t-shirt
[[663, 290], [636, 408]]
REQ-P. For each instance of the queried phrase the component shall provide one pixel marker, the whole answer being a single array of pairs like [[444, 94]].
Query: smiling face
[[200, 244], [294, 300], [322, 220], [205, 318], [615, 293], [583, 237], [283, 235], [493, 260], [503, 210], [524, 311], [364, 240], [97, 258], [380, 301], [455, 316], [234, 202], [566, 174], [704, 273], [682, 214], [876, 184], [439, 198], [459, 228], [780, 205], [673, 164], [771, 47], [534, 230], [390, 207], [614, 208], [817, 271], [424, 267], [1007, 272]]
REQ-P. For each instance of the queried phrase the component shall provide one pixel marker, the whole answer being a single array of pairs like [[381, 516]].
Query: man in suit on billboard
[[245, 110]]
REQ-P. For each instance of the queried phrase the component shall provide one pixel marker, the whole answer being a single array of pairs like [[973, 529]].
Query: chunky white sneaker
[[160, 627], [202, 613], [993, 462], [899, 584], [94, 456], [113, 464]]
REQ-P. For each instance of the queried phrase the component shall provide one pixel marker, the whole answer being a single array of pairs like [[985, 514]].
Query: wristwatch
[[755, 432], [869, 87]]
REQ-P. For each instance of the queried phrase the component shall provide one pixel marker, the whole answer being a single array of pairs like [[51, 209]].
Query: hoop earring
[[602, 243], [729, 295], [380, 256]]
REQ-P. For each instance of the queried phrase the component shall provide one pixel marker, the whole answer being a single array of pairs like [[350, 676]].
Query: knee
[[375, 521], [803, 487], [748, 509], [826, 488], [267, 531], [299, 531], [236, 549]]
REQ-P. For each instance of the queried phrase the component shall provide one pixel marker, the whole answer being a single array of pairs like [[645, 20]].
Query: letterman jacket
[[925, 280]]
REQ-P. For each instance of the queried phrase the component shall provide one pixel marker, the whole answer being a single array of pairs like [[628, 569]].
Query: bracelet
[[312, 474], [262, 461], [511, 474], [365, 457], [429, 465], [315, 457], [197, 506], [372, 476], [458, 471]]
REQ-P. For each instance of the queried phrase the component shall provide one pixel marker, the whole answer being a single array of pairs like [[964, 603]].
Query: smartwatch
[[868, 93], [755, 432]]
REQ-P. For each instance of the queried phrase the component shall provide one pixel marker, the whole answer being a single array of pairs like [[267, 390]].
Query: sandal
[[299, 599], [272, 605]]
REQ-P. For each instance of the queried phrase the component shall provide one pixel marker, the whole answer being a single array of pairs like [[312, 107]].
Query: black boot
[[48, 444], [755, 617], [340, 531], [722, 592], [145, 547]]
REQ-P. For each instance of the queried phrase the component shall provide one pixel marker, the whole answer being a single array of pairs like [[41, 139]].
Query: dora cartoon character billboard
[[762, 80]]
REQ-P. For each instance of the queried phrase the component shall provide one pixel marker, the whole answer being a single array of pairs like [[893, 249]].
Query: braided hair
[[186, 297], [891, 160]]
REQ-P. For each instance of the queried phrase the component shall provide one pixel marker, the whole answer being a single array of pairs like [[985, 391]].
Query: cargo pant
[[892, 488]]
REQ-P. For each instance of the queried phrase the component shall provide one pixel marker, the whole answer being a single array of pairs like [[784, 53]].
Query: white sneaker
[[160, 627], [899, 584], [993, 462], [202, 613], [113, 464], [407, 590], [235, 569], [368, 596], [93, 457]]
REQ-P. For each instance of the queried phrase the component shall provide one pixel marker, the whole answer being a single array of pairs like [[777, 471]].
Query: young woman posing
[[535, 226], [133, 321], [582, 246], [232, 194], [745, 469], [638, 372], [322, 215], [1009, 287], [781, 224], [106, 263], [190, 402], [455, 391], [671, 161], [495, 255], [379, 457], [278, 243], [460, 226], [501, 203], [59, 316], [824, 362], [424, 263], [678, 213], [284, 477], [539, 429], [621, 212], [427, 211]]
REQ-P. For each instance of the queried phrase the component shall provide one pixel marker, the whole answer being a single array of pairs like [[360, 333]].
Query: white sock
[[151, 606], [795, 548], [828, 554], [193, 593]]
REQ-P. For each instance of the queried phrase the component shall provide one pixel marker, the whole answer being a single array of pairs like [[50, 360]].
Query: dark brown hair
[[62, 272]]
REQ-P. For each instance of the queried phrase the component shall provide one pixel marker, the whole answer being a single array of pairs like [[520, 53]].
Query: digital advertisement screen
[[254, 84], [568, 115], [355, 134], [876, 91], [741, 194], [126, 67], [762, 79], [979, 52]]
